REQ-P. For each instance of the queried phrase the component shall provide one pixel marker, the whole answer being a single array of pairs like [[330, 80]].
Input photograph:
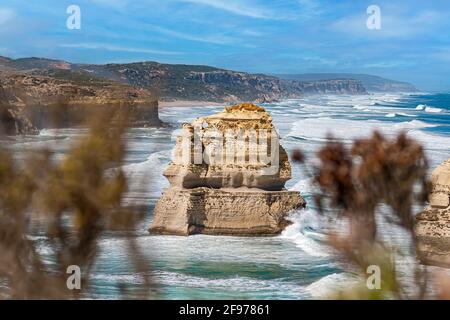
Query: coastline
[[151, 152], [188, 103]]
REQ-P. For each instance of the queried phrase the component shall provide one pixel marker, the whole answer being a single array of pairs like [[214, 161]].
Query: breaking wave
[[332, 284], [304, 232], [433, 110]]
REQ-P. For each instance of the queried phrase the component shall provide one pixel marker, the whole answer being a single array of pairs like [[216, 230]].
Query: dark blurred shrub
[[354, 182]]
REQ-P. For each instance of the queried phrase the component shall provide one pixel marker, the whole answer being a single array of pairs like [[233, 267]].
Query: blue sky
[[277, 36]]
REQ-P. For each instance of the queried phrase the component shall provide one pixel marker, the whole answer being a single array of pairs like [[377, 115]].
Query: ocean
[[294, 265]]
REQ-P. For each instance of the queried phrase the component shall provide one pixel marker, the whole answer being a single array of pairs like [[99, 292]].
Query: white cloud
[[238, 7], [6, 15], [109, 47], [215, 39]]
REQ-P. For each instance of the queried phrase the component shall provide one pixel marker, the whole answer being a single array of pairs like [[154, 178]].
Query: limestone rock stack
[[227, 177], [433, 224]]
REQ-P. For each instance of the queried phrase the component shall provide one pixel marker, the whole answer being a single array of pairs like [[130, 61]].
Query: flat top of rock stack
[[441, 176], [246, 114], [440, 195]]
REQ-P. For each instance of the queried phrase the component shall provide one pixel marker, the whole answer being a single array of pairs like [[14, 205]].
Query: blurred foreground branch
[[76, 201]]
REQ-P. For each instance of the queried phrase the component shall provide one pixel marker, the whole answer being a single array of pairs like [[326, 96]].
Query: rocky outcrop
[[31, 102], [227, 177], [13, 122], [433, 224]]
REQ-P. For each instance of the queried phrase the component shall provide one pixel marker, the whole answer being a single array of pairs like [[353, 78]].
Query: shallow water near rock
[[294, 265]]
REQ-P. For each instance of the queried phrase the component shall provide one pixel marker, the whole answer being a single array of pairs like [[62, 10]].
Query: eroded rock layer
[[433, 224], [32, 102], [223, 212], [224, 180]]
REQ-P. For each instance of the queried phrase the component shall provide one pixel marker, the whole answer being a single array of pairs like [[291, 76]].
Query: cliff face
[[190, 82], [369, 82], [336, 86], [227, 177], [183, 82], [31, 102], [433, 224]]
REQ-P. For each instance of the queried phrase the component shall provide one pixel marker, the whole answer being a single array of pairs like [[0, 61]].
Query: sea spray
[[305, 233]]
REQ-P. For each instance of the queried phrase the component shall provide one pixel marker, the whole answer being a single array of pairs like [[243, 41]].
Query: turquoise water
[[294, 265]]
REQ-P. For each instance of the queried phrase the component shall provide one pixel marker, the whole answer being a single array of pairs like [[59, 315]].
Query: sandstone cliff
[[30, 102], [227, 177], [433, 224]]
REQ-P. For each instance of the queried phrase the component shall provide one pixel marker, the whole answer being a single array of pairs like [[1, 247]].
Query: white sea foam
[[433, 110], [302, 233], [145, 179], [406, 114], [304, 186], [237, 283], [62, 132], [316, 130], [394, 114], [155, 161], [118, 278], [330, 285], [319, 128], [48, 132]]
